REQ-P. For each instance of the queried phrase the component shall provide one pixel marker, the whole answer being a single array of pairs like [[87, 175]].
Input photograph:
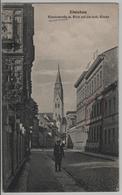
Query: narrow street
[[80, 173]]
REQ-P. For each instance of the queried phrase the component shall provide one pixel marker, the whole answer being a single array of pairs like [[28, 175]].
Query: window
[[98, 129], [95, 110], [58, 105], [92, 131], [109, 136], [89, 88], [95, 84], [85, 91], [94, 134], [98, 108], [92, 113], [86, 112], [109, 106], [114, 104], [106, 107], [88, 132], [55, 105], [97, 80], [92, 86], [101, 77], [105, 136], [113, 134]]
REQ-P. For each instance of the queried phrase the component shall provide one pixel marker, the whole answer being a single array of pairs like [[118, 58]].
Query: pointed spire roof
[[58, 78]]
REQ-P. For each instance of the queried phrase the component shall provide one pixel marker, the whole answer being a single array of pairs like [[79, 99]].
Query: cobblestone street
[[80, 173], [92, 173]]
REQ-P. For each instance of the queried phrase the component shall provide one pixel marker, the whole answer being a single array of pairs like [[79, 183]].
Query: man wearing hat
[[58, 154]]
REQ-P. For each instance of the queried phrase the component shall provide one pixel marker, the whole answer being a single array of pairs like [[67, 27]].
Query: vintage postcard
[[60, 113]]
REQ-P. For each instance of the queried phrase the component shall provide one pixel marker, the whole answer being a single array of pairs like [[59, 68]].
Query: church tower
[[58, 113]]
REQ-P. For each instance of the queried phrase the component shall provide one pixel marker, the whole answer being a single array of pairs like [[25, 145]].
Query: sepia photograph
[[60, 97]]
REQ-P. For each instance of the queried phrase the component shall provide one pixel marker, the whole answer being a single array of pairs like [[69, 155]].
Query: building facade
[[97, 96], [97, 79], [110, 141], [80, 86], [17, 58], [94, 88]]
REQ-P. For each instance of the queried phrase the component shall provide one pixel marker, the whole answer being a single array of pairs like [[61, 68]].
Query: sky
[[72, 43]]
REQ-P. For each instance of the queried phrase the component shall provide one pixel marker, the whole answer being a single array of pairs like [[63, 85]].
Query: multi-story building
[[94, 87], [110, 141], [100, 75], [80, 86], [17, 58]]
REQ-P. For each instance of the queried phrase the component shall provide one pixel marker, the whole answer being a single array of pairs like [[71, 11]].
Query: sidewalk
[[43, 178], [20, 185], [66, 180]]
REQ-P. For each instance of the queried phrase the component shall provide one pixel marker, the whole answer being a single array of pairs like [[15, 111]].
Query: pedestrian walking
[[58, 154]]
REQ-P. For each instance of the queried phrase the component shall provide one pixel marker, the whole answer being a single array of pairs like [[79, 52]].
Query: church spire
[[58, 98], [58, 78]]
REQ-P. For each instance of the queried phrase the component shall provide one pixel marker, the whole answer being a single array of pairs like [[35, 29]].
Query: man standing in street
[[58, 154]]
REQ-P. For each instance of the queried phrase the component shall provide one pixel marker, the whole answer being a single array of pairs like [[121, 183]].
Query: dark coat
[[58, 152]]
